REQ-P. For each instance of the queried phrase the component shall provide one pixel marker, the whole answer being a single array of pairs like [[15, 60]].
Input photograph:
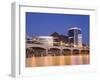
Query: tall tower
[[75, 36]]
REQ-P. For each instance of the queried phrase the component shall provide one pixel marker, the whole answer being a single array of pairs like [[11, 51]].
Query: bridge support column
[[61, 58], [46, 61], [71, 51], [80, 57], [61, 50]]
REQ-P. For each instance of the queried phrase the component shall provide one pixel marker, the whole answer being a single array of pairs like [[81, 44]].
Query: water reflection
[[56, 57]]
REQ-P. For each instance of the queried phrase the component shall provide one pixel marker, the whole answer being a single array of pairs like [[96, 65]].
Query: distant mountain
[[55, 34], [63, 38]]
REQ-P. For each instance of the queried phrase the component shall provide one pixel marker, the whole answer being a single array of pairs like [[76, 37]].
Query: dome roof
[[74, 28]]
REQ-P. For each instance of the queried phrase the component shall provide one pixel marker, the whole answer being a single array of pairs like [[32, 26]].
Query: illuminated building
[[44, 40], [75, 36]]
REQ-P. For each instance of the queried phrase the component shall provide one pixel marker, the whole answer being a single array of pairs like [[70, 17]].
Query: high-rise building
[[75, 36]]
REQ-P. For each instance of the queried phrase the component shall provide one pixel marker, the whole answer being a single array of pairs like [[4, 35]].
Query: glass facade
[[75, 36]]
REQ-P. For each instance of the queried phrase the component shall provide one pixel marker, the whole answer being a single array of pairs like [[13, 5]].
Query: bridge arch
[[39, 51], [54, 51], [29, 52], [85, 52], [66, 52], [75, 52]]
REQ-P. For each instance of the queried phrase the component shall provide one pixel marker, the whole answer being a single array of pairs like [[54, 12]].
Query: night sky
[[43, 24]]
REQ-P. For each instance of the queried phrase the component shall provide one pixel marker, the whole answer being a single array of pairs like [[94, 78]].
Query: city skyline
[[44, 24]]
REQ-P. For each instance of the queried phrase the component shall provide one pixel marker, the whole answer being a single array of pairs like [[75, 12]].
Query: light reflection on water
[[58, 60]]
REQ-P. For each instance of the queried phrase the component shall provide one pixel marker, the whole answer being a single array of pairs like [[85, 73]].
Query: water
[[58, 60]]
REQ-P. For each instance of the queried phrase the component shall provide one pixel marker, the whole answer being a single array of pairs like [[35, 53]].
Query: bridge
[[44, 50]]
